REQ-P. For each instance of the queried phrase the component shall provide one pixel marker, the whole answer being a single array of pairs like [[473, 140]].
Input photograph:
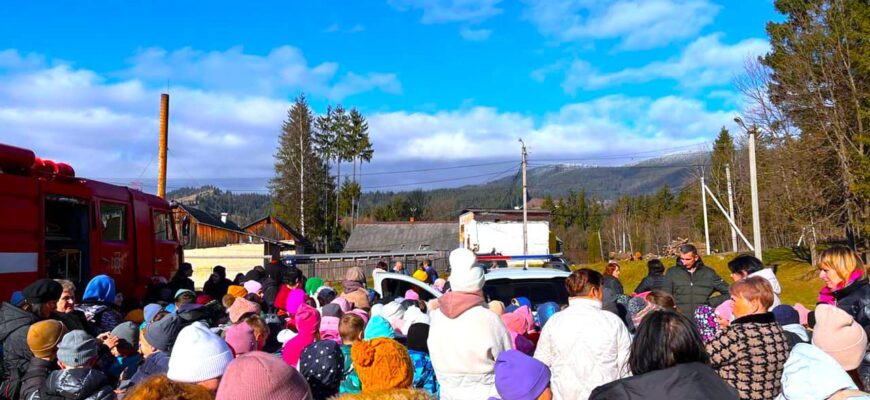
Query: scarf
[[453, 304], [826, 295]]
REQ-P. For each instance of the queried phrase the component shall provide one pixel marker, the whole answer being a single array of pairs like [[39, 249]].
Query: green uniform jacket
[[691, 290]]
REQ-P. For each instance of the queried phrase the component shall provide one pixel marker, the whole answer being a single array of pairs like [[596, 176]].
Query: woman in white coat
[[583, 345]]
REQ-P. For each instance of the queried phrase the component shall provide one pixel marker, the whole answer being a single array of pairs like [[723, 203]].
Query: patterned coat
[[750, 355]]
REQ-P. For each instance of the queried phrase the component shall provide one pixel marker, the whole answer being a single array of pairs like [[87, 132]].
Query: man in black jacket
[[693, 283]]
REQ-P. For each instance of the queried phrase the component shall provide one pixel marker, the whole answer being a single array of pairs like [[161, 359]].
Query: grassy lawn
[[799, 280]]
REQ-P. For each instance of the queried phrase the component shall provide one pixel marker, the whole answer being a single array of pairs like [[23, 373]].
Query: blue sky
[[443, 82]]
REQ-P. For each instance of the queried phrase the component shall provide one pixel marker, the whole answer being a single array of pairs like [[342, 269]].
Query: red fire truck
[[56, 225]]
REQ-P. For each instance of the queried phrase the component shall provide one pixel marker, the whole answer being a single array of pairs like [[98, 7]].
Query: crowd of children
[[276, 334]]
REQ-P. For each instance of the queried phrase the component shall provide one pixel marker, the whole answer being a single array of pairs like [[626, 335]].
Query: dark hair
[[662, 299], [664, 339], [582, 281], [291, 275], [611, 268], [688, 248], [382, 265], [655, 267], [745, 262]]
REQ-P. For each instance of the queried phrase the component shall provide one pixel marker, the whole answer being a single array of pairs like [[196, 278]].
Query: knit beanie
[[325, 295], [322, 365], [378, 327], [180, 292], [726, 309], [198, 355], [42, 291], [521, 301], [237, 291], [135, 316], [128, 333], [411, 295], [312, 284], [240, 338], [101, 288], [257, 375], [786, 315], [295, 298], [76, 348], [546, 311], [377, 310], [705, 319], [17, 298], [162, 334], [358, 298], [520, 377], [420, 275], [150, 311], [837, 333], [242, 307], [382, 364], [418, 337], [361, 313], [44, 336], [253, 286], [464, 276], [515, 323]]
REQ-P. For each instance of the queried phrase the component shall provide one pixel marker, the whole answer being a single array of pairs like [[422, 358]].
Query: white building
[[501, 231]]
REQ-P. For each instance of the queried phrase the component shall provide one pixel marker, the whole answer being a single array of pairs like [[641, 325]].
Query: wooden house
[[199, 229], [272, 228]]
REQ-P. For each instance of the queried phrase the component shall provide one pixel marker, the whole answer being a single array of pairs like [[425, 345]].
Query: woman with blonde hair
[[846, 286]]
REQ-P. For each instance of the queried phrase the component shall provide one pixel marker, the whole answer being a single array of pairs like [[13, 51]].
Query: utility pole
[[163, 145], [525, 209], [753, 181], [731, 206], [704, 205]]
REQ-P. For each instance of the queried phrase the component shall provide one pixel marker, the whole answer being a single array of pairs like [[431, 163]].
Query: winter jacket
[[750, 355], [794, 334], [811, 374], [584, 347], [692, 381], [76, 321], [691, 290], [653, 282], [155, 364], [613, 285], [463, 350], [350, 383], [855, 300], [216, 290], [14, 323], [122, 367], [768, 274], [103, 316], [78, 384], [424, 375], [34, 378]]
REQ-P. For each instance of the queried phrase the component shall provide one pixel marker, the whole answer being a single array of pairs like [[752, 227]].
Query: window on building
[[113, 218]]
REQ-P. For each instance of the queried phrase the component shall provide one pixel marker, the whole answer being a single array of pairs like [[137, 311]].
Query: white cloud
[[107, 128], [705, 62], [443, 11], [282, 71], [337, 28], [475, 35], [609, 125], [637, 24]]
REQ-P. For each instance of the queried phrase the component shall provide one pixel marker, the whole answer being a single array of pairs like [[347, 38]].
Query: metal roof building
[[403, 236]]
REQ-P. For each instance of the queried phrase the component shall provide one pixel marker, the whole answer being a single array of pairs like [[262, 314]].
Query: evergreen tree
[[300, 174]]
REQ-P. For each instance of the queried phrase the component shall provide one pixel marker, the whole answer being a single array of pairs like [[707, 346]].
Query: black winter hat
[[162, 334], [42, 291], [418, 335]]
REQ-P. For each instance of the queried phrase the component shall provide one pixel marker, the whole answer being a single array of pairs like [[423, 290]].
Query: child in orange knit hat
[[385, 371]]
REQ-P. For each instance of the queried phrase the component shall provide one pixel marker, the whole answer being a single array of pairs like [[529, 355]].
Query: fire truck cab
[[56, 225]]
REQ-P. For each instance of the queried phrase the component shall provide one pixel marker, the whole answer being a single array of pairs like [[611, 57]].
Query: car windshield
[[536, 290]]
